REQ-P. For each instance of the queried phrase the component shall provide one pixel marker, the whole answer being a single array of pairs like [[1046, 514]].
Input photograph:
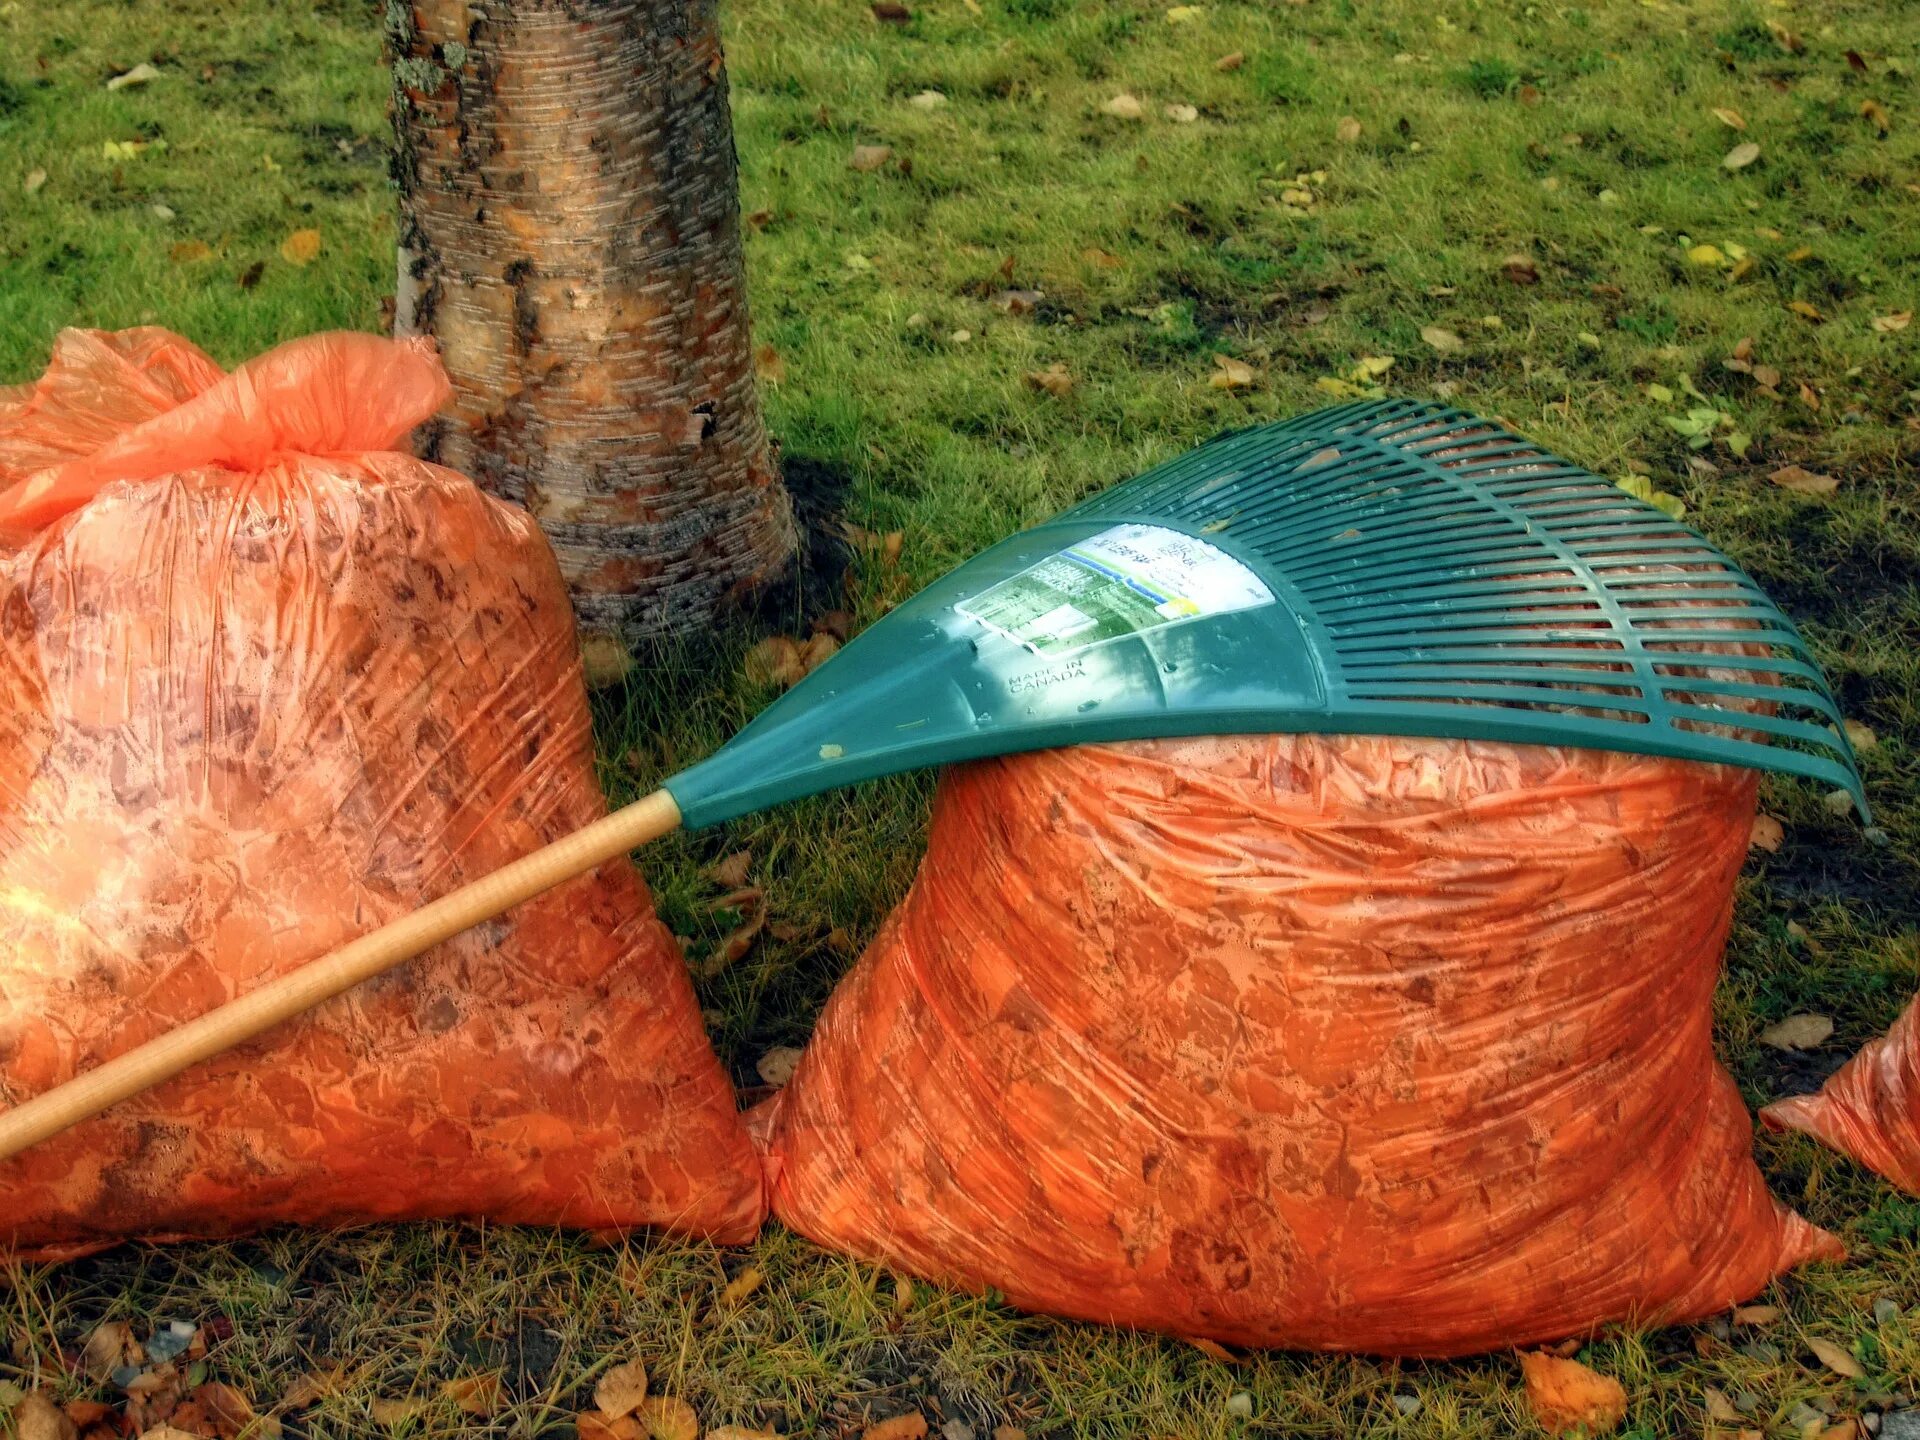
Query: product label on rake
[[1117, 583]]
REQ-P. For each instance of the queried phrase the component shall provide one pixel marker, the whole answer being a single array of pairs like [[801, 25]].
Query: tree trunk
[[570, 235]]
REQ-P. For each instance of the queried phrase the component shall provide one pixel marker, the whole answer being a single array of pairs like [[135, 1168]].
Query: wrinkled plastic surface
[[1869, 1109], [265, 685], [1371, 1044]]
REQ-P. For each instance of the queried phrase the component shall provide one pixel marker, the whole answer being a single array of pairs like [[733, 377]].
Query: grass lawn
[[1354, 187]]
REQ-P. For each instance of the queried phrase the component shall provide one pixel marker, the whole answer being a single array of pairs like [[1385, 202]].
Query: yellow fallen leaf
[[1798, 1032], [1230, 374], [1707, 255], [141, 74], [476, 1394], [1371, 367], [1185, 14], [740, 1432], [36, 177], [1800, 253], [1804, 310], [1348, 130], [621, 1389], [1719, 1407], [1767, 834], [393, 1413], [667, 1417], [1729, 117], [1566, 1395], [1836, 1359], [1445, 341], [867, 158], [313, 1387], [189, 252], [1182, 114], [1125, 107], [1874, 111], [743, 1285], [776, 661], [302, 247], [776, 1067], [768, 366], [1755, 1315], [1741, 156], [37, 1417], [1894, 323], [1233, 60], [902, 1427], [1860, 736], [1101, 259], [1803, 481], [1213, 1350], [1054, 380]]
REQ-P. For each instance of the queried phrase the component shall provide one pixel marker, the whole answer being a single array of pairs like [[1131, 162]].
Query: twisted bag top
[[266, 684]]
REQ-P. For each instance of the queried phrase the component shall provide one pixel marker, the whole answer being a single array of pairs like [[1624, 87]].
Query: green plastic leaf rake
[[1391, 568]]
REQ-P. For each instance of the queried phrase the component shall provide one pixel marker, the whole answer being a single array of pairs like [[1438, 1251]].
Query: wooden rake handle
[[165, 1056]]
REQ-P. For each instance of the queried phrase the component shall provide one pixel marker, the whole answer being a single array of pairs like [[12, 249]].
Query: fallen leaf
[[667, 1417], [820, 648], [475, 1394], [743, 1285], [83, 1413], [760, 219], [927, 100], [1755, 1315], [36, 1417], [229, 1412], [620, 1391], [1185, 14], [592, 1425], [902, 1427], [867, 158], [1566, 1395], [902, 1294], [776, 1067], [1860, 736], [1874, 111], [1233, 60], [1767, 834], [1707, 255], [1054, 380], [1795, 256], [1719, 1407], [1766, 377], [1785, 38], [1803, 481], [1798, 1032], [1733, 119], [1182, 114], [1840, 1361], [302, 247], [1213, 1350], [731, 870], [1894, 323], [1348, 130], [1856, 61], [1125, 107], [140, 74], [740, 1432], [313, 1387], [1442, 340], [392, 1414], [36, 177], [1101, 259], [768, 367], [1230, 374], [1804, 310], [1521, 270], [1836, 802], [891, 12], [775, 661], [110, 1346], [1018, 302], [189, 252], [1741, 156]]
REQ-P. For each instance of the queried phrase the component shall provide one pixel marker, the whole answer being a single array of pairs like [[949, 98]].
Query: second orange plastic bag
[[266, 684], [1870, 1110], [1396, 1046]]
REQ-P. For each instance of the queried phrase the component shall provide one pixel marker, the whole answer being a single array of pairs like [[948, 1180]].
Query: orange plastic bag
[[1382, 1045], [264, 685], [1870, 1109]]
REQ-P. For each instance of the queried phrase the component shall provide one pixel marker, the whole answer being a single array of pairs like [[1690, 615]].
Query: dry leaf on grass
[[1835, 1358], [394, 1413], [1741, 155], [1444, 341], [867, 158], [1054, 380], [891, 12], [776, 1067], [36, 177], [230, 1413], [1805, 310], [1719, 1407], [667, 1417], [1125, 107], [927, 100], [1729, 117], [1521, 270], [36, 1417], [1230, 374], [901, 1427], [743, 1285], [768, 367], [1803, 481], [302, 247], [110, 1346], [1348, 130], [1861, 736], [1566, 1395], [475, 1394], [1232, 60], [1213, 1349], [313, 1387], [1876, 113], [776, 661], [1182, 114], [1892, 324], [592, 1425], [1755, 1316], [189, 252], [140, 74], [621, 1389], [741, 1432], [1767, 834], [1798, 1032]]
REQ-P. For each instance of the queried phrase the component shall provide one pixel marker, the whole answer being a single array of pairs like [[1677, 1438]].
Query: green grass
[[1580, 137]]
